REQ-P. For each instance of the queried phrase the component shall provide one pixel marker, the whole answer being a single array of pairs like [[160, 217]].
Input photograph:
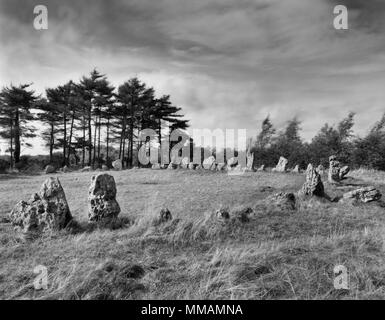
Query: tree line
[[84, 118], [367, 151]]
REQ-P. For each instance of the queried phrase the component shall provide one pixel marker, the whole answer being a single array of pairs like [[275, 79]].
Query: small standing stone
[[102, 198], [344, 171], [209, 163], [296, 169], [313, 185], [49, 169], [334, 170], [281, 165], [261, 168], [117, 165]]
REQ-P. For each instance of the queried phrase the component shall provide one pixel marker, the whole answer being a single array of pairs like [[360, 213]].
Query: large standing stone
[[49, 169], [117, 165], [209, 163], [46, 211], [334, 170], [313, 185], [102, 202], [281, 165], [365, 195]]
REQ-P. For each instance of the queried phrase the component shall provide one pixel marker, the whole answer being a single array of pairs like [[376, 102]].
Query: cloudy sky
[[227, 63]]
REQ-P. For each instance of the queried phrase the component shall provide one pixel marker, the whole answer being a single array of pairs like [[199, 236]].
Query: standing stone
[[199, 167], [281, 165], [365, 195], [185, 162], [250, 162], [232, 162], [45, 211], [191, 166], [296, 169], [320, 169], [209, 163], [313, 185], [102, 202], [261, 168], [65, 169], [156, 166], [49, 169], [344, 171], [165, 215], [117, 165], [104, 167], [85, 169], [222, 214], [334, 170]]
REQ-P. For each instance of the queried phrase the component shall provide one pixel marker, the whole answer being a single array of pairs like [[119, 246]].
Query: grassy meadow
[[278, 254]]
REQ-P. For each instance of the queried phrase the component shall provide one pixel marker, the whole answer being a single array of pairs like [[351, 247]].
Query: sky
[[227, 63]]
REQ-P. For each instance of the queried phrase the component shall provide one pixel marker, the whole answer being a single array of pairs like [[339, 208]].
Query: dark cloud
[[228, 63]]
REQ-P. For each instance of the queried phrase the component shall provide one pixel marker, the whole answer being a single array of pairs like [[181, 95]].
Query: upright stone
[[45, 211], [232, 162], [313, 185], [102, 202], [281, 165], [209, 163], [261, 168], [117, 165], [185, 162], [250, 162], [296, 169], [334, 170], [191, 166], [344, 171]]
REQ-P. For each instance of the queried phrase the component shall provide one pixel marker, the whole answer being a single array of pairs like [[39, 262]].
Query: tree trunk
[[107, 139], [95, 130], [17, 137], [11, 151], [89, 137], [99, 127], [70, 138], [51, 143]]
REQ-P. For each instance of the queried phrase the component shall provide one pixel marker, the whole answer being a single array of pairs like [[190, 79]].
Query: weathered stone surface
[[49, 169], [232, 162], [86, 169], [117, 165], [45, 211], [104, 167], [283, 200], [295, 169], [185, 162], [281, 165], [65, 169], [172, 166], [366, 194], [156, 166], [199, 167], [261, 168], [191, 166], [344, 171], [334, 170], [313, 185], [209, 163], [221, 166], [102, 202], [320, 169]]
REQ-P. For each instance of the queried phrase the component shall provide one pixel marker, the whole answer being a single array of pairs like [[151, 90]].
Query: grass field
[[278, 254]]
